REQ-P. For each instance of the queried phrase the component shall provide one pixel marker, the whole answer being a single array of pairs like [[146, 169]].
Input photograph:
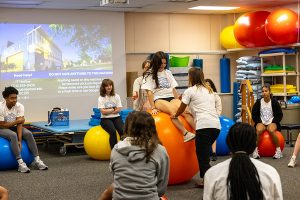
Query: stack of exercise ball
[[262, 28], [282, 26], [249, 29], [227, 38]]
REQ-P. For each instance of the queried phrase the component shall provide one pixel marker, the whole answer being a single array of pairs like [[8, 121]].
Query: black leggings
[[111, 125], [204, 139]]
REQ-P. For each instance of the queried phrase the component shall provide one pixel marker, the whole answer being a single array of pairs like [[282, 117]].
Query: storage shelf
[[276, 54], [264, 48], [285, 94], [216, 52], [280, 74]]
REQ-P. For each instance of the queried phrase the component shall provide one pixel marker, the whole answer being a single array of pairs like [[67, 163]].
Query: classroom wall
[[182, 34], [187, 34]]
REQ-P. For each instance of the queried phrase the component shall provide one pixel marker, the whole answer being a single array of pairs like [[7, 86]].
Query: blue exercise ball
[[8, 159], [295, 99], [222, 148]]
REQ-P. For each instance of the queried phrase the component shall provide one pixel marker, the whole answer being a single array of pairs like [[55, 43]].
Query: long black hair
[[155, 66], [243, 180]]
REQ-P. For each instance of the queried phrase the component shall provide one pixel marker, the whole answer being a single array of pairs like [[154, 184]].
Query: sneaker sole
[[189, 139]]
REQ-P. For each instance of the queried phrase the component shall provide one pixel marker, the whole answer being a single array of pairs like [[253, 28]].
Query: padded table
[[71, 135]]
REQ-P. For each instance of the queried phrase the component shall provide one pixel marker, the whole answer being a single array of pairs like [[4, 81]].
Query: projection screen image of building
[[46, 60]]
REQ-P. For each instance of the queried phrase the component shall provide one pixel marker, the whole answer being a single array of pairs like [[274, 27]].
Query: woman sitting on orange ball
[[160, 85], [267, 114]]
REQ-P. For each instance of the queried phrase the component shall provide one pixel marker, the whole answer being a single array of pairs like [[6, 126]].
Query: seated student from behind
[[140, 165], [242, 177]]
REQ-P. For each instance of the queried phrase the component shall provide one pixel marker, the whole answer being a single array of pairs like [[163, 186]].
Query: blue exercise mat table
[[71, 135]]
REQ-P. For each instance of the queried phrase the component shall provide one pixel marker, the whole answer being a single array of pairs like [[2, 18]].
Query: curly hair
[[8, 91]]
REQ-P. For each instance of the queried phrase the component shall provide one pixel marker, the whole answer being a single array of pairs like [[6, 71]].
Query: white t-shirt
[[215, 181], [202, 105], [137, 84], [10, 115], [138, 104], [218, 104], [166, 84], [109, 102], [266, 112]]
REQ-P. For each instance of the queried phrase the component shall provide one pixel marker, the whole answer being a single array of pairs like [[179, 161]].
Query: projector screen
[[62, 64], [46, 60]]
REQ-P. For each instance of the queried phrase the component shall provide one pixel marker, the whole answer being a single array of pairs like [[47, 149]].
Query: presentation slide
[[51, 60]]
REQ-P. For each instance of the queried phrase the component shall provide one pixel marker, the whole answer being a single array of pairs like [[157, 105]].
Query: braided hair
[[243, 179]]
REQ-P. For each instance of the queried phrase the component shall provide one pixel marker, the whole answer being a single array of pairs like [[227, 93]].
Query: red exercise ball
[[249, 29], [266, 147], [183, 159], [282, 26]]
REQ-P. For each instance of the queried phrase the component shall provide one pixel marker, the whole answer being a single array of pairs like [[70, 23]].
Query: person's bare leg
[[3, 193], [107, 194], [260, 128], [171, 109], [272, 128], [214, 147], [297, 146], [186, 114]]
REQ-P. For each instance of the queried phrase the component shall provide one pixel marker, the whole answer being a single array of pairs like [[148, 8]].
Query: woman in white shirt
[[267, 114], [160, 85], [202, 102], [139, 96], [110, 106], [242, 177], [210, 83]]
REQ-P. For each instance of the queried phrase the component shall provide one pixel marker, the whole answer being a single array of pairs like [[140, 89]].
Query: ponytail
[[243, 179]]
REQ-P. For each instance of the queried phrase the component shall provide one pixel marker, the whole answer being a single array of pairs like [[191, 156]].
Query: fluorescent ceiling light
[[213, 8]]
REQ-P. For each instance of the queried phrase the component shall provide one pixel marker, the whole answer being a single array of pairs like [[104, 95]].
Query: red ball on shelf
[[249, 29], [282, 26]]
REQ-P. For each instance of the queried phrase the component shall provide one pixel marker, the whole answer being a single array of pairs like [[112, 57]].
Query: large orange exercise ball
[[266, 147], [227, 38], [96, 143], [183, 159], [249, 29], [282, 26]]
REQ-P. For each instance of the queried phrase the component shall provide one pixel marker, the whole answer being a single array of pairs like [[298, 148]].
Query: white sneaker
[[23, 168], [38, 164], [255, 154], [292, 162], [188, 136], [278, 154]]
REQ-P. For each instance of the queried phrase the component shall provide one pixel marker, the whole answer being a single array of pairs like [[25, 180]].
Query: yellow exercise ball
[[96, 143], [227, 38]]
